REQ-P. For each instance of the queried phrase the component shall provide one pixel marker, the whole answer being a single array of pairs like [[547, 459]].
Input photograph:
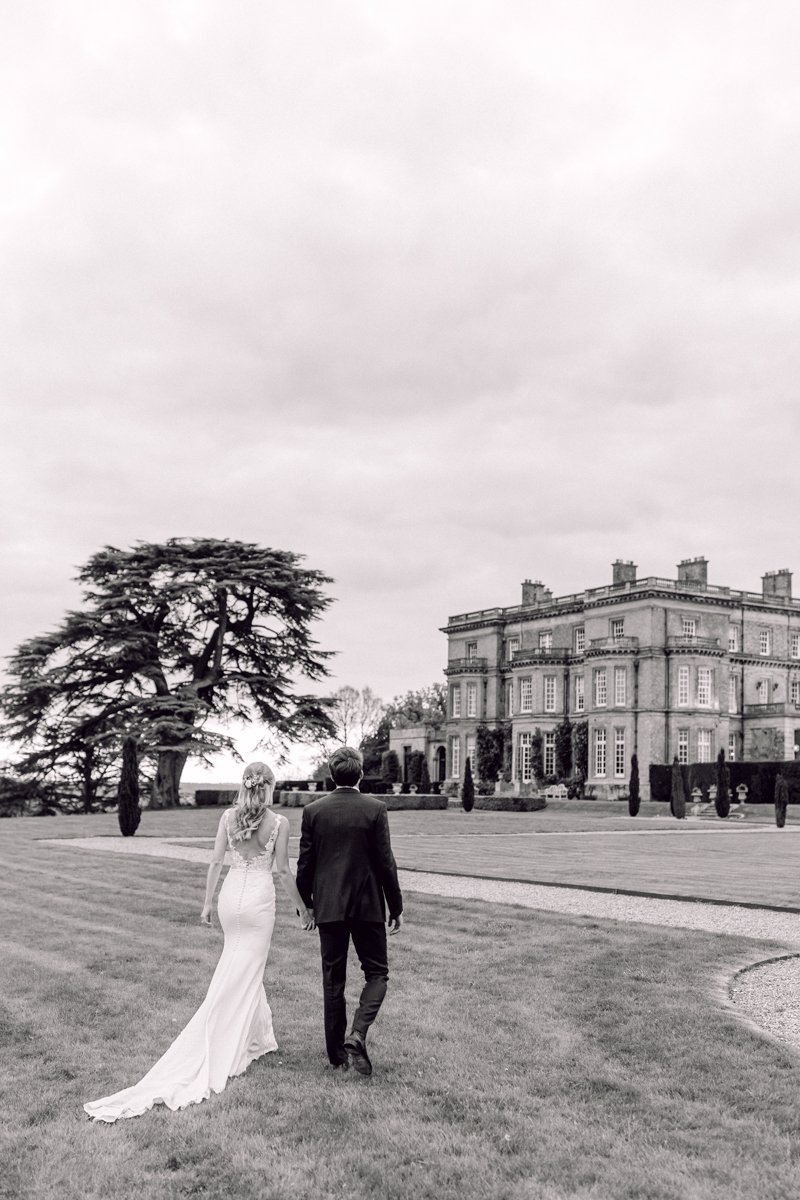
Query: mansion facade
[[658, 667]]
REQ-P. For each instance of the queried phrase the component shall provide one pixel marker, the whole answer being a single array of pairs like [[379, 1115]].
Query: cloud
[[441, 296]]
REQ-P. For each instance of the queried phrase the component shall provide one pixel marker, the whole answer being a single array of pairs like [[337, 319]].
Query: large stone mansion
[[659, 667]]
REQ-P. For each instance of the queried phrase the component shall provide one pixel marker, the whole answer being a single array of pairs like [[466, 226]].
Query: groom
[[345, 870]]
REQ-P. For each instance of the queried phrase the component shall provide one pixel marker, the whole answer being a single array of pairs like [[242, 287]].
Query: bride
[[233, 1025]]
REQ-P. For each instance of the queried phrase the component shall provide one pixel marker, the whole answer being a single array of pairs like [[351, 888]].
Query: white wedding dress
[[233, 1025]]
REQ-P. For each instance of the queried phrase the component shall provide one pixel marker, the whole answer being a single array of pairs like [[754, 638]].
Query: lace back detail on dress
[[258, 862]]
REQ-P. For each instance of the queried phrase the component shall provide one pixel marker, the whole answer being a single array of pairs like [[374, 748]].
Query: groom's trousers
[[369, 940]]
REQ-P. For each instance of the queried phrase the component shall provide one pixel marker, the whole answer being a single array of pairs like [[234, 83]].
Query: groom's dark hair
[[346, 766]]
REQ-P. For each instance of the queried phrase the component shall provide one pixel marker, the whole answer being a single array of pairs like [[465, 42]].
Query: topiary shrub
[[537, 754], [677, 796], [424, 784], [415, 760], [564, 750], [781, 800], [580, 748], [129, 813], [390, 766], [468, 789], [634, 797], [722, 801]]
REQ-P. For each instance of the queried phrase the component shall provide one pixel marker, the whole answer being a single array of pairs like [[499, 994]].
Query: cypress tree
[[781, 800], [677, 796], [128, 790], [723, 800], [415, 760], [564, 750], [467, 789], [634, 797], [390, 766], [424, 785], [537, 756]]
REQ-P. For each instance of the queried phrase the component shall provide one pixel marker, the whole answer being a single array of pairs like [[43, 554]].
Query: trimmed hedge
[[392, 802], [370, 783], [758, 776], [510, 803], [210, 798]]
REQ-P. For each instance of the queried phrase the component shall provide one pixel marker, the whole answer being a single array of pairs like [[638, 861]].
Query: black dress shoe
[[356, 1048]]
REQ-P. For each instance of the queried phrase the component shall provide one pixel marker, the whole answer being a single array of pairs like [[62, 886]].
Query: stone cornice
[[662, 590]]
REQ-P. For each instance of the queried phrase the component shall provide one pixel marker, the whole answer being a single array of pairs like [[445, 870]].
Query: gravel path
[[768, 993]]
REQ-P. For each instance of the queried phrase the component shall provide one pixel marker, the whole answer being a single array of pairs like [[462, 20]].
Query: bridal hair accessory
[[255, 781]]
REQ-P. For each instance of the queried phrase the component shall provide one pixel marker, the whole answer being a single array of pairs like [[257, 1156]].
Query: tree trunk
[[166, 785]]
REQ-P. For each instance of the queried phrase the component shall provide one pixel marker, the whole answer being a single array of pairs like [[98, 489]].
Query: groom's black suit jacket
[[346, 866]]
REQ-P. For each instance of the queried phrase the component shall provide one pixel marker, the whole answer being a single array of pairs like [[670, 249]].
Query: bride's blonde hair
[[252, 801]]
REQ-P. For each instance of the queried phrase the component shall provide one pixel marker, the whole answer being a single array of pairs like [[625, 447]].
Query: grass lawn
[[718, 860], [519, 1054]]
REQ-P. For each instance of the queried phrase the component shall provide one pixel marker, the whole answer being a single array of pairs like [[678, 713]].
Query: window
[[512, 646], [472, 651], [765, 641], [526, 695], [600, 753], [683, 685], [683, 745], [733, 639], [546, 641], [620, 681], [732, 698], [580, 699], [580, 640], [689, 627], [617, 628], [600, 688], [469, 748], [455, 702], [524, 764], [704, 745], [619, 753], [472, 699], [762, 692], [794, 645], [795, 691], [731, 747], [704, 687], [455, 758], [509, 699], [549, 753], [549, 697]]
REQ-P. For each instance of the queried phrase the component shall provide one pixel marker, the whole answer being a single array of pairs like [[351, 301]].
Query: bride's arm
[[214, 868], [284, 873]]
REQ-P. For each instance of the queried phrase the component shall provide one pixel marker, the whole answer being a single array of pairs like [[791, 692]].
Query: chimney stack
[[623, 572], [535, 593], [693, 572], [777, 585]]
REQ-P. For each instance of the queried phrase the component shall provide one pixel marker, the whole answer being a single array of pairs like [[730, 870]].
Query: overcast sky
[[441, 295]]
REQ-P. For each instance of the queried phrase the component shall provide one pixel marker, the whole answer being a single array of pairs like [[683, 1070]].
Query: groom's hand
[[308, 921], [395, 924]]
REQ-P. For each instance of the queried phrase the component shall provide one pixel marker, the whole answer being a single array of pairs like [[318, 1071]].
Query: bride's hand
[[205, 915]]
